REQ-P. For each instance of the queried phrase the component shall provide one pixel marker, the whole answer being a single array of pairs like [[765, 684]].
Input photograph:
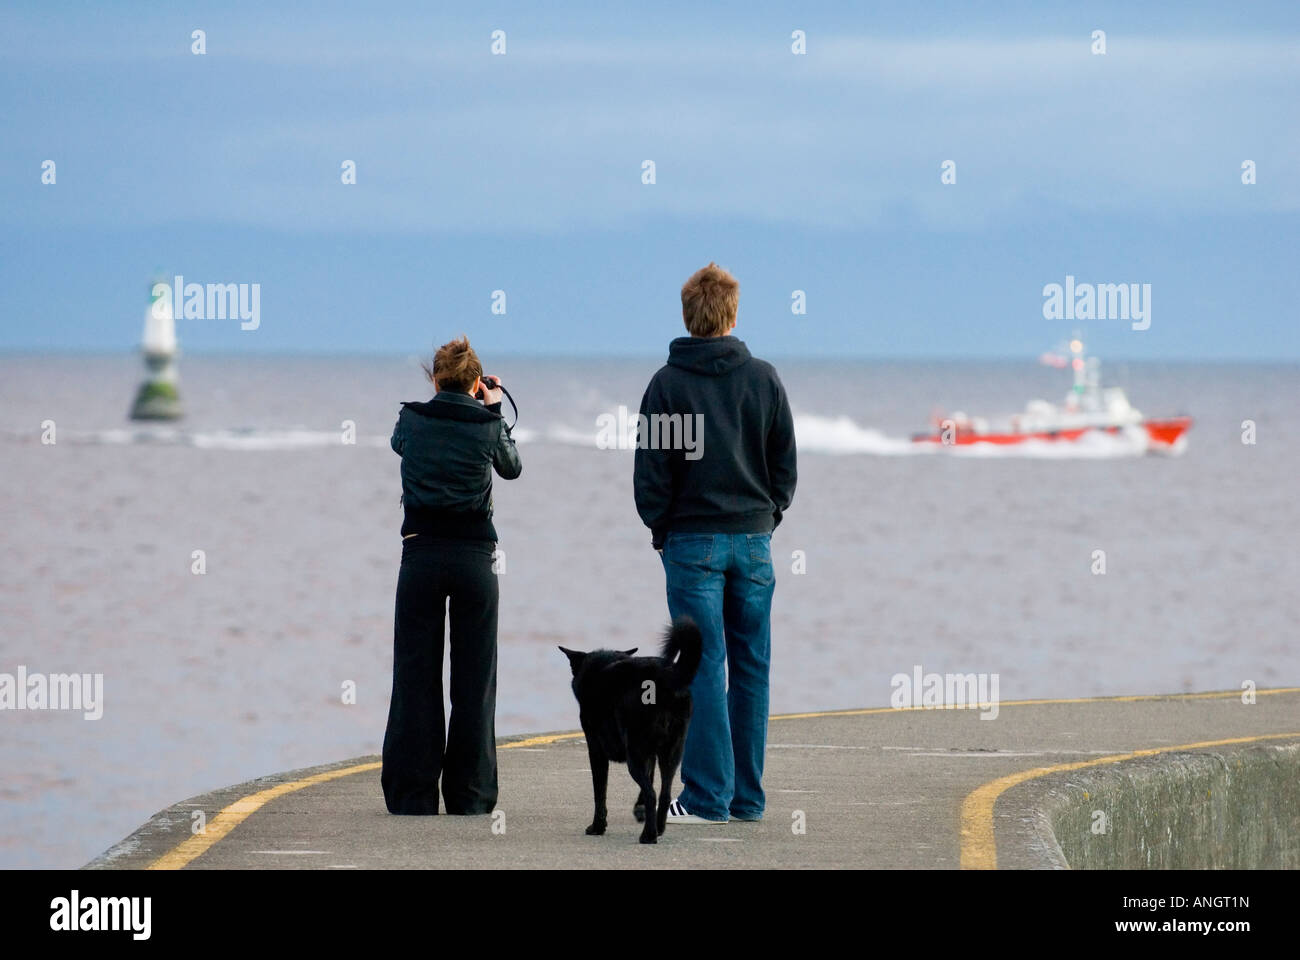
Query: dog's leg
[[642, 802], [643, 771], [599, 781], [668, 763]]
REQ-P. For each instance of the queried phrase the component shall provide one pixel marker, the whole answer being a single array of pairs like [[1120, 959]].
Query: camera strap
[[498, 386]]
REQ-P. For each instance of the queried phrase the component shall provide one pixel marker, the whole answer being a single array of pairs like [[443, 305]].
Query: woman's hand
[[488, 390]]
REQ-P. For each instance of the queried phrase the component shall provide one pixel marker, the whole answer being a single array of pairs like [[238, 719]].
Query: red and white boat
[[1090, 411]]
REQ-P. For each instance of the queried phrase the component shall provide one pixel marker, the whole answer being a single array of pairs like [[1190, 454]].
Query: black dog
[[635, 710]]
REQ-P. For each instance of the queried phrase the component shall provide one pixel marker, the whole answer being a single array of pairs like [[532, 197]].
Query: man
[[715, 470]]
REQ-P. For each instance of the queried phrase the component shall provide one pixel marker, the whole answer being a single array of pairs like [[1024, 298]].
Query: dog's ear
[[575, 657], [628, 653]]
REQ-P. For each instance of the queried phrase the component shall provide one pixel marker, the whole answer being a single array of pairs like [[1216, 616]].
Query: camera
[[486, 382]]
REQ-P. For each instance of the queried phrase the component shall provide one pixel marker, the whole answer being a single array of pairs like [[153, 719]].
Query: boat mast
[[1086, 391]]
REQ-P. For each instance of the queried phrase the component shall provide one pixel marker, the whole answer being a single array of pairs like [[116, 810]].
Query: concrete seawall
[[1184, 780], [1220, 808]]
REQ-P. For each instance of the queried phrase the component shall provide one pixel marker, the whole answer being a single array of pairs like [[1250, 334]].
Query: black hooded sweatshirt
[[715, 442]]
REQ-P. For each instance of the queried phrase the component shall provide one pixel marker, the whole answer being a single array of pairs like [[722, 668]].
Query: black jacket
[[738, 474], [449, 447]]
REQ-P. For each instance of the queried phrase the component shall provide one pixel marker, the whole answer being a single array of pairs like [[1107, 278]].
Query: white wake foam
[[812, 433], [237, 439], [571, 437], [834, 436], [840, 435]]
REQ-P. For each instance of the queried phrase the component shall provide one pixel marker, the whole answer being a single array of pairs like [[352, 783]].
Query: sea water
[[232, 575]]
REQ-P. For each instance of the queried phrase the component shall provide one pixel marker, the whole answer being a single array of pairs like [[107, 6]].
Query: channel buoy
[[158, 397]]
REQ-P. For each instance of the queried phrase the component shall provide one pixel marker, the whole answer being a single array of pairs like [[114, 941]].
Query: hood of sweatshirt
[[712, 356]]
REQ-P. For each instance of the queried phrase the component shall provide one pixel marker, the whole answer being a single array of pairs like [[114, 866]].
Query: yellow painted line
[[1216, 695], [541, 741], [978, 847], [243, 808], [239, 811], [236, 813]]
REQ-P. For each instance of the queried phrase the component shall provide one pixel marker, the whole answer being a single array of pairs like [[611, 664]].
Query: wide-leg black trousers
[[440, 577]]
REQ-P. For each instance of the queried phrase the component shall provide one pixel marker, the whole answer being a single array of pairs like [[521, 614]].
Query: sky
[[523, 172]]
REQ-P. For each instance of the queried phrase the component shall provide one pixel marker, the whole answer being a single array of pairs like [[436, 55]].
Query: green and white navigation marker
[[158, 398]]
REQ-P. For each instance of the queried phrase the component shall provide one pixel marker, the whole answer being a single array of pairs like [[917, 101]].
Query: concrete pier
[[1189, 780]]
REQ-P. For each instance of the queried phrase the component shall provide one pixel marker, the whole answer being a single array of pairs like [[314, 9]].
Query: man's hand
[[488, 390]]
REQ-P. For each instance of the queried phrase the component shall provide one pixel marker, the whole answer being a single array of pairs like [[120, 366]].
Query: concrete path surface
[[877, 788]]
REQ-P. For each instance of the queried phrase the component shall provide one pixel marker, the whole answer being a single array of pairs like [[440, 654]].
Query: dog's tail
[[684, 644]]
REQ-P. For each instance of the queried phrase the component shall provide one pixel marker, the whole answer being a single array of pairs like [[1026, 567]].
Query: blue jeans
[[724, 581]]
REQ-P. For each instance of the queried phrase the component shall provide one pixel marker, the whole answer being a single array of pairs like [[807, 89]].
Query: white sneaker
[[677, 814]]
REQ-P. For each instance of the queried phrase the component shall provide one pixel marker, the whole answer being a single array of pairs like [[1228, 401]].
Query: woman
[[449, 448]]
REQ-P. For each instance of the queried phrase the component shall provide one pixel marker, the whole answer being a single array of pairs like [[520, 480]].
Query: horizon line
[[534, 355]]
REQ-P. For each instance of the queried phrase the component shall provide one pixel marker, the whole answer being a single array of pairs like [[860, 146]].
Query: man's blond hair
[[709, 301]]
